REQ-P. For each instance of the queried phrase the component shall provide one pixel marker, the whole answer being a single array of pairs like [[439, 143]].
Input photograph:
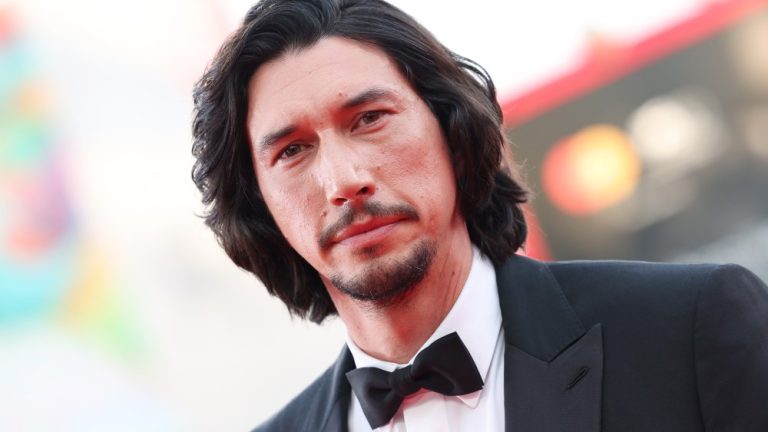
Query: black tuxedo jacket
[[609, 346]]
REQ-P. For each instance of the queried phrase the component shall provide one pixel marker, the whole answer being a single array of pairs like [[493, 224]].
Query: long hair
[[459, 93]]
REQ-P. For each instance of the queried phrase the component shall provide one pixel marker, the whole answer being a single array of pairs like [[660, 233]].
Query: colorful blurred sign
[[68, 339]]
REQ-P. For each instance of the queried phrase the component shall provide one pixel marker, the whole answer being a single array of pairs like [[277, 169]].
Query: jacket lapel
[[337, 411], [553, 366]]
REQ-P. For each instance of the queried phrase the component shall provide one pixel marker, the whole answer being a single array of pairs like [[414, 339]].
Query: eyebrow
[[271, 138], [369, 95]]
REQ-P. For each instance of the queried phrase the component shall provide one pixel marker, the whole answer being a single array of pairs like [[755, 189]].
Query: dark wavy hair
[[459, 93]]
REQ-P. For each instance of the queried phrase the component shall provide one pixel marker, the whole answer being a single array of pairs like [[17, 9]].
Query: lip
[[366, 233]]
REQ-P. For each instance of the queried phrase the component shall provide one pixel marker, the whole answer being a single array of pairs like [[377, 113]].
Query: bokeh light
[[590, 170]]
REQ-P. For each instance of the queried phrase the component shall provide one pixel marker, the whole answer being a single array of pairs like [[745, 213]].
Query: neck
[[395, 332]]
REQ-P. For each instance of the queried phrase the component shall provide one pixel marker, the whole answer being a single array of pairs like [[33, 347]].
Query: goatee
[[386, 281]]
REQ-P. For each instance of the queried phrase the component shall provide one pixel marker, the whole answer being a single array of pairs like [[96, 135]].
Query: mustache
[[368, 208]]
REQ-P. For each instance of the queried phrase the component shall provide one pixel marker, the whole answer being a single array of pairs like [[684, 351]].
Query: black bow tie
[[444, 367]]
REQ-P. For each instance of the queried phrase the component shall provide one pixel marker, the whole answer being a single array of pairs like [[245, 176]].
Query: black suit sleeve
[[731, 346]]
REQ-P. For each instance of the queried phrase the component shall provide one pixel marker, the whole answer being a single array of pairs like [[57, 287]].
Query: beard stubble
[[387, 281]]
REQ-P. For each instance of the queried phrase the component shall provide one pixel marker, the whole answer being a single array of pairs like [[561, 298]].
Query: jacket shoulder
[[641, 272], [636, 281], [297, 414], [731, 346], [324, 400], [650, 300]]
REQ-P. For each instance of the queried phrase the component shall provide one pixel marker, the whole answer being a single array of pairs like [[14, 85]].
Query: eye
[[290, 151], [368, 118]]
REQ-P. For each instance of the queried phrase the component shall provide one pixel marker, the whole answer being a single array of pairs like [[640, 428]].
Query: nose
[[345, 176]]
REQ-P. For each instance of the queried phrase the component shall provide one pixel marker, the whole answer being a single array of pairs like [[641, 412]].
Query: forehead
[[318, 76]]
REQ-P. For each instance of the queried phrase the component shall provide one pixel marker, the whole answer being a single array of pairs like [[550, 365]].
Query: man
[[356, 166]]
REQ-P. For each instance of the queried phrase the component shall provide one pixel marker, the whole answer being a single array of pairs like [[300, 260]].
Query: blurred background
[[642, 127]]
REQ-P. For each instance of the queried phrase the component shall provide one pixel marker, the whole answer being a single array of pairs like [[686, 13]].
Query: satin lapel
[[337, 411], [553, 367]]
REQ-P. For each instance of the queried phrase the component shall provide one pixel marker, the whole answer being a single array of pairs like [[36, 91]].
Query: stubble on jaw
[[385, 282]]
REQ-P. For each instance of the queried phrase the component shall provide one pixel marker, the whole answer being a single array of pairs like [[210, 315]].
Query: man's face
[[353, 166]]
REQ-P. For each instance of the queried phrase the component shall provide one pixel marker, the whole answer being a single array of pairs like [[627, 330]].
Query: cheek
[[289, 209], [422, 171], [416, 157]]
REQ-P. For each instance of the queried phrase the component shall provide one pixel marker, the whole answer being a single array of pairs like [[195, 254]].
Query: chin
[[386, 280]]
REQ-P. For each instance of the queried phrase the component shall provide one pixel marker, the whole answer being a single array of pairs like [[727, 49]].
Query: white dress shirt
[[476, 317]]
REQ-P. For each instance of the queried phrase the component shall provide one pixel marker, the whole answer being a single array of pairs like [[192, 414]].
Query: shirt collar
[[475, 316]]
